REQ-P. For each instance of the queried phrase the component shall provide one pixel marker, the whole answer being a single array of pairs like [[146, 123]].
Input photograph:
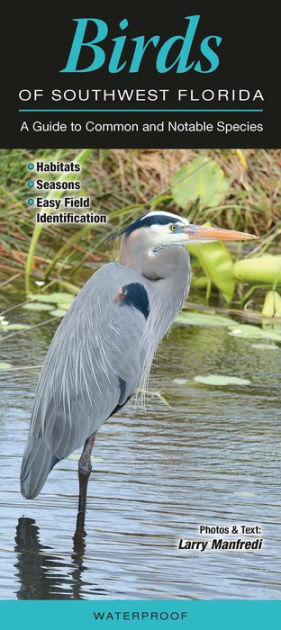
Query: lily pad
[[54, 298], [265, 346], [4, 365], [58, 312], [220, 380], [272, 304], [188, 318], [179, 381], [65, 306], [265, 269], [36, 306], [216, 262], [74, 457], [247, 331], [17, 327], [200, 180]]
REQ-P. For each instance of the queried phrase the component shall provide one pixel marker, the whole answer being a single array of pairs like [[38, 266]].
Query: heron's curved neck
[[166, 262], [167, 272], [168, 269]]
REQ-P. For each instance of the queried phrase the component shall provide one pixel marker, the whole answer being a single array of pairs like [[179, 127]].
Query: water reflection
[[34, 565], [212, 457], [38, 570]]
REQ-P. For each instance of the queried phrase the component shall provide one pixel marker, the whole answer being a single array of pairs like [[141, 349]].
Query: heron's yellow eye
[[173, 227]]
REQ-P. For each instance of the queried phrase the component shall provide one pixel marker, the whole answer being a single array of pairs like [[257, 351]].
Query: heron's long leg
[[84, 471]]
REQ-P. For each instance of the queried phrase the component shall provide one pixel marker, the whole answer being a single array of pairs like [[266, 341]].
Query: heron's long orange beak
[[201, 233]]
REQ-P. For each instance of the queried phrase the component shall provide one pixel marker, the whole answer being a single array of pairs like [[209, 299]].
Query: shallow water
[[211, 458]]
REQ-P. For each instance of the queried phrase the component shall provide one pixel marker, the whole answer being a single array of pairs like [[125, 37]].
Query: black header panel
[[104, 74]]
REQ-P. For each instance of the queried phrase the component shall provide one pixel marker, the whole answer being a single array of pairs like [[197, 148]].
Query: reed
[[123, 184]]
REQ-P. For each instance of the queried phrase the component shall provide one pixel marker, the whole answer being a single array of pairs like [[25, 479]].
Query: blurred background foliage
[[230, 188]]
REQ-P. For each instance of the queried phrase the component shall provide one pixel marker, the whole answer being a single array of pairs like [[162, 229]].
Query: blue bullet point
[[30, 184], [30, 165], [30, 202]]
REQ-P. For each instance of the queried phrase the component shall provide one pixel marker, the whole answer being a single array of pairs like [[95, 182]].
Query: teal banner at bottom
[[147, 615]]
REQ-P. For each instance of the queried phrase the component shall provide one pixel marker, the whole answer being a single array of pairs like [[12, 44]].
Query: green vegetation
[[220, 380], [230, 188]]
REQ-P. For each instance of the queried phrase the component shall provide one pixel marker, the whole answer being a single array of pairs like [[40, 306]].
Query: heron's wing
[[92, 367]]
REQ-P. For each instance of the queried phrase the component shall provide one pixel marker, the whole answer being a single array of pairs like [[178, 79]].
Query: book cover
[[140, 315]]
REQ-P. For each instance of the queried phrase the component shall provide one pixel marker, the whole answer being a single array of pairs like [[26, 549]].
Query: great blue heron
[[103, 349]]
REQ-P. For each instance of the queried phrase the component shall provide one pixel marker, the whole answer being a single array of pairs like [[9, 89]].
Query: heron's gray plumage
[[103, 350], [100, 353]]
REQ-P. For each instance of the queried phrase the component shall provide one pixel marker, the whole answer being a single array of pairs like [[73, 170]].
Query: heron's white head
[[157, 233], [161, 229]]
